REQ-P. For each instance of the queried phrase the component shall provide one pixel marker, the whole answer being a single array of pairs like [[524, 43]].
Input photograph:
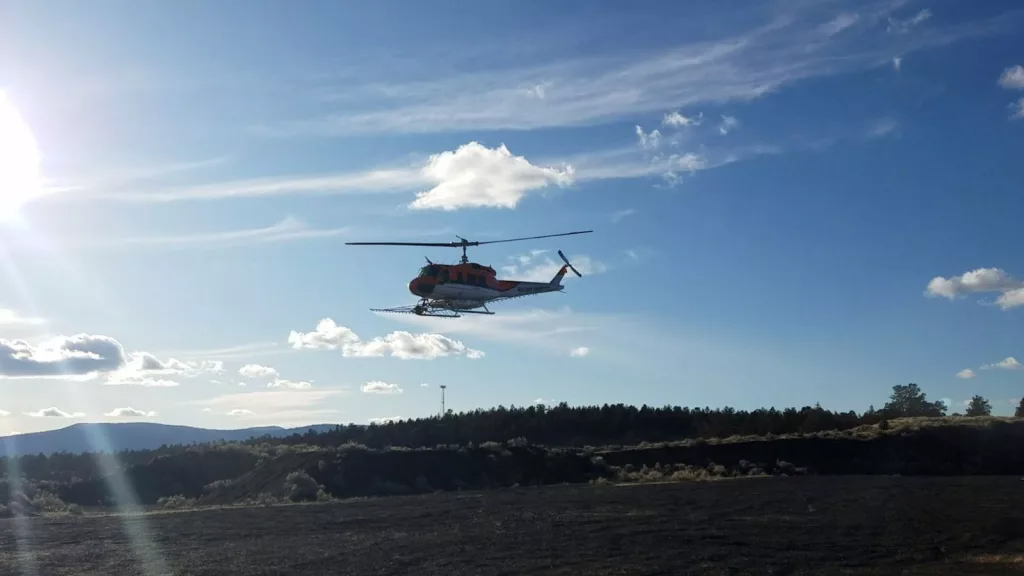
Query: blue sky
[[793, 202]]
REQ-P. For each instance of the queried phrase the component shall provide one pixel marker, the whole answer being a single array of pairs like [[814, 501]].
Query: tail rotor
[[566, 260]]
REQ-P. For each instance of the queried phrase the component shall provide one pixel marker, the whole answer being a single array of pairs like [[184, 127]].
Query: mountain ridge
[[117, 436]]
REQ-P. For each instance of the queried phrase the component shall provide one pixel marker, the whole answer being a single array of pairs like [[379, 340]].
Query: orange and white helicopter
[[450, 290]]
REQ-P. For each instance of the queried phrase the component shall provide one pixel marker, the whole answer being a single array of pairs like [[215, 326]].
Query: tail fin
[[557, 280]]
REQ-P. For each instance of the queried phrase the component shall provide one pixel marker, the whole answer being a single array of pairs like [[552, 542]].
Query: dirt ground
[[769, 526]]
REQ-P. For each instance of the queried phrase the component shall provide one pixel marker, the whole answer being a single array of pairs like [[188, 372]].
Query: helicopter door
[[444, 276]]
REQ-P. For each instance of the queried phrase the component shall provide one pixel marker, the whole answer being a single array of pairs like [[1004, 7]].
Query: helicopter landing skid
[[425, 308]]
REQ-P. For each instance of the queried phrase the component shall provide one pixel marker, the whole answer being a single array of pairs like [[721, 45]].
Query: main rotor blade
[[438, 244], [533, 237]]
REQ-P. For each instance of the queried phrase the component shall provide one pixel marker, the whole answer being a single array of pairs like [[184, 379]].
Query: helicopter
[[450, 290]]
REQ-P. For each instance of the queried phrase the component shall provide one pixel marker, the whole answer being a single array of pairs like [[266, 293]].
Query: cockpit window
[[428, 272]]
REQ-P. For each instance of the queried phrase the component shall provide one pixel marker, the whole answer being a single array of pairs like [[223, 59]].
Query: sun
[[19, 161]]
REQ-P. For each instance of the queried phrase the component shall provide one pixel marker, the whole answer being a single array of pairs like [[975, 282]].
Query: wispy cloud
[[288, 229], [280, 406], [238, 352], [617, 216], [740, 67], [965, 374], [728, 124], [97, 182], [839, 23], [361, 181], [881, 128]]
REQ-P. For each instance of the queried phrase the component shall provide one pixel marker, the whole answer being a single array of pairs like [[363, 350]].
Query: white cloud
[[240, 412], [327, 335], [980, 280], [1011, 298], [257, 371], [129, 412], [545, 401], [62, 356], [1008, 363], [385, 419], [1017, 109], [146, 370], [740, 67], [399, 344], [965, 374], [1012, 78], [149, 364], [904, 26], [530, 268], [579, 352], [475, 176], [678, 120], [287, 229], [378, 387], [424, 385], [897, 63], [4, 413], [729, 123], [54, 412], [648, 141], [406, 346], [839, 23], [295, 385]]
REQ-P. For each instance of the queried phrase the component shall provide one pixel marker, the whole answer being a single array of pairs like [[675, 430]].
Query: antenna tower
[[443, 386]]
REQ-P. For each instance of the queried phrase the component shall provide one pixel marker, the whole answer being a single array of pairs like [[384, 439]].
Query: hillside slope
[[113, 437]]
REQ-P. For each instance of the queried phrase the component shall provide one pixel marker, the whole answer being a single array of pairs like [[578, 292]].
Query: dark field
[[765, 526]]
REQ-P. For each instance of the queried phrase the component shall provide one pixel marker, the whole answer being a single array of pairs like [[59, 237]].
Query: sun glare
[[19, 161]]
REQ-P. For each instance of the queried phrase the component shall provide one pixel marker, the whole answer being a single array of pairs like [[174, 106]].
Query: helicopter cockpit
[[429, 271]]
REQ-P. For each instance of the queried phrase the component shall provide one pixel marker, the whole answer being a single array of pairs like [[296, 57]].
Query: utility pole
[[443, 386]]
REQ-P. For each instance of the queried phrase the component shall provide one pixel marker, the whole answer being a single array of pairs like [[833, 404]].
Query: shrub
[[46, 502], [300, 487], [518, 442], [265, 499], [74, 510], [176, 502]]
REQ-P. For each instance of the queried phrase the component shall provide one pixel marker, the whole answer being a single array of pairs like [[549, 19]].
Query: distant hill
[[112, 437]]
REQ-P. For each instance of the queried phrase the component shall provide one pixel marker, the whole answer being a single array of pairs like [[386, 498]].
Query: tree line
[[620, 424], [561, 425]]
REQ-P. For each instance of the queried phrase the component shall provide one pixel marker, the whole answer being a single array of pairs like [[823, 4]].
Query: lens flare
[[19, 161]]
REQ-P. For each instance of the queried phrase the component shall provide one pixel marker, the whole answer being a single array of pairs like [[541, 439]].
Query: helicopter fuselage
[[468, 286]]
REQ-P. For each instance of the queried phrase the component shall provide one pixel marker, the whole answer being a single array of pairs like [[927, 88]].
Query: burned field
[[796, 525]]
